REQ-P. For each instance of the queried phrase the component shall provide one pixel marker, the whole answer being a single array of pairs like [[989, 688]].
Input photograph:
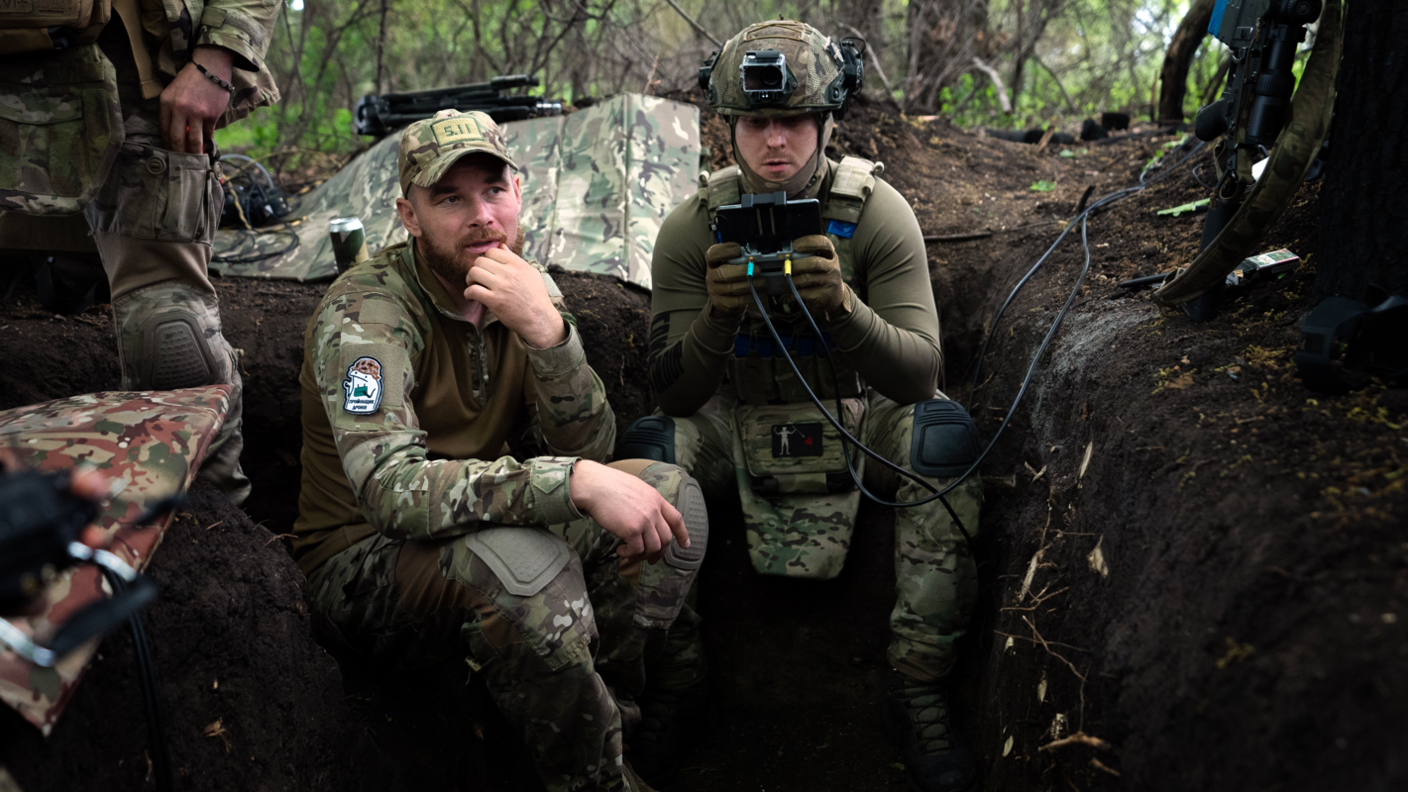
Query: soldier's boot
[[169, 337], [675, 707], [916, 716]]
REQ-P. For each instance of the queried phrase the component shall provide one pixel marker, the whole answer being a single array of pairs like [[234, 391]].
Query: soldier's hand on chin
[[514, 290], [629, 509]]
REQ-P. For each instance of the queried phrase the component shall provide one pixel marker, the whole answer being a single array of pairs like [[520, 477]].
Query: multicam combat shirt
[[407, 409]]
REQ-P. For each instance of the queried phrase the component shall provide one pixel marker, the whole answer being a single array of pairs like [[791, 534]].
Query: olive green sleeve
[[891, 334], [689, 345]]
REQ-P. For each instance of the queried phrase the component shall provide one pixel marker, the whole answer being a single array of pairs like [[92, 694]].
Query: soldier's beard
[[451, 262]]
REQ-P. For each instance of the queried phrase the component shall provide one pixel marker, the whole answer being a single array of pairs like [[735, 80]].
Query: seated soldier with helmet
[[422, 539], [734, 414]]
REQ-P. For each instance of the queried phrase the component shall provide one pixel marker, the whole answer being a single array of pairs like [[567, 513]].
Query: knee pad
[[651, 437], [690, 503], [524, 559], [944, 443], [169, 337]]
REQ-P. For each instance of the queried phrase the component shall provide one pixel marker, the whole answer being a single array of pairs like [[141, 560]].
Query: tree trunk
[[1174, 75], [1031, 26], [943, 37], [1019, 61], [864, 16], [1363, 238]]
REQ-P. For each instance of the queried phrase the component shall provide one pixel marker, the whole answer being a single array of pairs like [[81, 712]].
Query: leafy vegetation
[[1059, 61]]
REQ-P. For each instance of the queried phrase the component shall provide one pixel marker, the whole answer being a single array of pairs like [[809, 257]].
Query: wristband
[[216, 78]]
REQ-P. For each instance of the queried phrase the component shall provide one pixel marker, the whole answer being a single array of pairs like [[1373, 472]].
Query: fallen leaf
[[1007, 747], [1097, 560], [1041, 689], [1188, 207], [1085, 463], [217, 730]]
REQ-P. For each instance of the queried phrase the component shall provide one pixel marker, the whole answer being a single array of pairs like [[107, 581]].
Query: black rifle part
[[380, 115], [40, 523], [39, 519], [1263, 36]]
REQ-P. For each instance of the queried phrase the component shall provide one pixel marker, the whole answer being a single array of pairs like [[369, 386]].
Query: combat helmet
[[781, 67]]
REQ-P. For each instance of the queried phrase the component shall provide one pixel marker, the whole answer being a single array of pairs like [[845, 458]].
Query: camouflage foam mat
[[597, 184], [151, 442]]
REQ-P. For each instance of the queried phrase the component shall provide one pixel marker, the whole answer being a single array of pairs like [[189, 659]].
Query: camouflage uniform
[[888, 343], [152, 212], [408, 492], [759, 434]]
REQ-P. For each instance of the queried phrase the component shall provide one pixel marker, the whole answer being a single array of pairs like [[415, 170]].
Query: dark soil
[[1247, 632], [251, 701]]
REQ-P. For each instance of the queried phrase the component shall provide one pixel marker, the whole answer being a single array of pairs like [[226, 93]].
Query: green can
[[349, 242]]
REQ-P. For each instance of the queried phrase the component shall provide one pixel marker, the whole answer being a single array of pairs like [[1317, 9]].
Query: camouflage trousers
[[565, 665], [153, 222], [935, 574]]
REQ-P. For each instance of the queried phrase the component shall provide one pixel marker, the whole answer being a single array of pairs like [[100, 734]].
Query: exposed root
[[1079, 738], [1099, 765]]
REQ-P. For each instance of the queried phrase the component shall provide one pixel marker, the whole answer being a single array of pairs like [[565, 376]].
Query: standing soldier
[[736, 417], [109, 107]]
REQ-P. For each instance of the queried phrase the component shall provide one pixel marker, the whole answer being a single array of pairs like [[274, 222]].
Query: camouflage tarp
[[596, 186], [150, 442]]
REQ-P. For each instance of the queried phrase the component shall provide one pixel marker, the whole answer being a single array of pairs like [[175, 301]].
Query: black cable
[[1103, 201], [151, 690], [1199, 178], [231, 257], [850, 467], [1083, 218]]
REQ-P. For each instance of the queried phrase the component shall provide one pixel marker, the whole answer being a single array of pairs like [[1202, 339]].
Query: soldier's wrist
[[216, 59]]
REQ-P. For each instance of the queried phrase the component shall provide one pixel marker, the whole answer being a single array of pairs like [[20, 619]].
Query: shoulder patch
[[841, 229], [363, 387]]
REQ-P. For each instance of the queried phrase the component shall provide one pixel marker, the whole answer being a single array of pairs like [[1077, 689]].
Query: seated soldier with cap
[[735, 414], [422, 539]]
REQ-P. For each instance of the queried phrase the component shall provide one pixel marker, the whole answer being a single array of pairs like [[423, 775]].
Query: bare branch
[[874, 59], [997, 83], [1071, 106], [706, 34]]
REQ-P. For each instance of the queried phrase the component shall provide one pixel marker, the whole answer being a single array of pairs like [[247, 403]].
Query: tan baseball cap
[[431, 145]]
